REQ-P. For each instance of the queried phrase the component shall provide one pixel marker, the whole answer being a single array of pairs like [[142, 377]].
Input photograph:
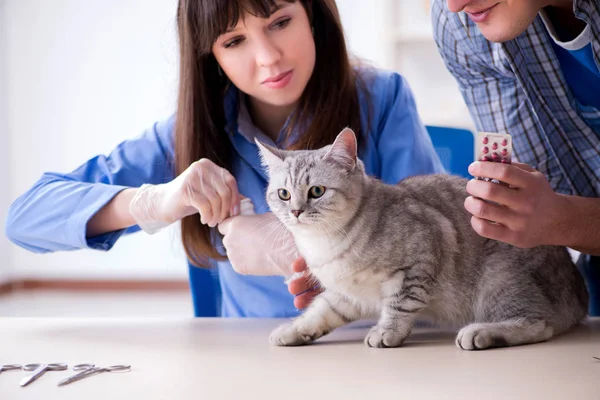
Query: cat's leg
[[480, 336], [509, 312], [403, 297], [328, 311]]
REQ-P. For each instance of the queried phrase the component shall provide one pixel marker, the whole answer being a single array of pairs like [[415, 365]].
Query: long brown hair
[[328, 104]]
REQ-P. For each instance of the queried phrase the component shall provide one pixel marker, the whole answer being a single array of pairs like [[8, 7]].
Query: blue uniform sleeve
[[403, 144], [54, 213]]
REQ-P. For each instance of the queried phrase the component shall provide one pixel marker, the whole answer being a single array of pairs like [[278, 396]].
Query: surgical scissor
[[91, 369], [10, 367], [39, 370]]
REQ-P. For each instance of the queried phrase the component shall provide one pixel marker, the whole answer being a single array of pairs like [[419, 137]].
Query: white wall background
[[5, 250], [81, 76], [366, 30]]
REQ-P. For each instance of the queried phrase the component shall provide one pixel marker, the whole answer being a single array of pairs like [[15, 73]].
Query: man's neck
[[566, 24], [268, 118]]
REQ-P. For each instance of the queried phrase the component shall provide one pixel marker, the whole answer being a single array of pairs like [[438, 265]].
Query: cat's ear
[[344, 148], [270, 156]]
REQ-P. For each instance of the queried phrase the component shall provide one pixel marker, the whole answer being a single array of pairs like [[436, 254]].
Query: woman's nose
[[267, 53]]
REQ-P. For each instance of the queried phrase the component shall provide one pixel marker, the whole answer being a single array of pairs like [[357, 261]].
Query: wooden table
[[205, 359]]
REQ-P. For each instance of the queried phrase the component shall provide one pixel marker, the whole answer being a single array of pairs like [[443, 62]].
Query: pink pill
[[484, 158], [504, 152], [485, 150], [495, 146], [504, 161], [504, 142], [485, 140], [495, 156]]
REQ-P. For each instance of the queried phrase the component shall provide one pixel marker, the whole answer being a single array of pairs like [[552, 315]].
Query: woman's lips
[[279, 81]]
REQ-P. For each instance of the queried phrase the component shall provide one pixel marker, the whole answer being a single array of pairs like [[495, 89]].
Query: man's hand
[[304, 288], [528, 213]]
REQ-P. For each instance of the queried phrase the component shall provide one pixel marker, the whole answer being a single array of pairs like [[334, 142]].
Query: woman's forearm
[[113, 216], [580, 224]]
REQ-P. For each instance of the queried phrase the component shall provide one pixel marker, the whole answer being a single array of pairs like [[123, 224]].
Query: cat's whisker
[[267, 224], [267, 228], [341, 230], [326, 231], [274, 234]]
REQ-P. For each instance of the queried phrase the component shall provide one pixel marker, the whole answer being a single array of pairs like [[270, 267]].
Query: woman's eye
[[284, 194], [232, 43], [282, 23], [316, 191]]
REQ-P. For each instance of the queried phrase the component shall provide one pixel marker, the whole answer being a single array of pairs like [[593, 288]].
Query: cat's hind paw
[[479, 337], [288, 335], [384, 337]]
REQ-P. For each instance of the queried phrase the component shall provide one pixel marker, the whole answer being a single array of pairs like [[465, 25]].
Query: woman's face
[[270, 59]]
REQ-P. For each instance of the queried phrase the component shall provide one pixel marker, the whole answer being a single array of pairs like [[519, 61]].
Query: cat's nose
[[297, 213]]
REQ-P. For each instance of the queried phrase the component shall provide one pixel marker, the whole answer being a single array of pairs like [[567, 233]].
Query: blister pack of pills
[[493, 147]]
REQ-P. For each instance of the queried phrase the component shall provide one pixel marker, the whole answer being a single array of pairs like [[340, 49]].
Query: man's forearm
[[580, 225]]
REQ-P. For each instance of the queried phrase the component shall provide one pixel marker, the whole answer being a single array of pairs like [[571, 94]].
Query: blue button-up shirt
[[53, 214]]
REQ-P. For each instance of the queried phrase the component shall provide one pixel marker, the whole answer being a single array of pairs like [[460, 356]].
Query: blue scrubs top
[[53, 214]]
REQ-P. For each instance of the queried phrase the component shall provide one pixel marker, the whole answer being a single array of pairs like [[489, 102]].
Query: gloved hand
[[259, 244], [203, 188]]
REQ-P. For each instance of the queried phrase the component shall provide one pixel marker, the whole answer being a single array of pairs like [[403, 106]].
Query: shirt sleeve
[[54, 213], [403, 145]]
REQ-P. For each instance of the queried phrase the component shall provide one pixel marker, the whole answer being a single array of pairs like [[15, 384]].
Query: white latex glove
[[203, 188], [259, 244]]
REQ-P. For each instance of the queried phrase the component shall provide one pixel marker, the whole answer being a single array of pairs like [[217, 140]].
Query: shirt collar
[[246, 128], [582, 40], [238, 121]]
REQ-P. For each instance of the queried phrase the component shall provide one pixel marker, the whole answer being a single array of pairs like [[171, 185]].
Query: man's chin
[[497, 35]]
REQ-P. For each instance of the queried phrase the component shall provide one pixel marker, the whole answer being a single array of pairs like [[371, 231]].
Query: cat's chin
[[294, 224], [299, 225]]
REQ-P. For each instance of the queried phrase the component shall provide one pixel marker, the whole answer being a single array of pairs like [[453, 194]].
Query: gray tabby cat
[[407, 251]]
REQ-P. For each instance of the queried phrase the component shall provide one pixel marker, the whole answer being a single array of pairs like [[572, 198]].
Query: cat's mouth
[[303, 221]]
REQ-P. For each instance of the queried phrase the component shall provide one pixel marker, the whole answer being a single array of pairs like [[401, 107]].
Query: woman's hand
[[203, 188], [258, 244]]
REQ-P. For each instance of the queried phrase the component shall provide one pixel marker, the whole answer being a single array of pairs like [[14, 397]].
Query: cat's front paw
[[384, 337], [288, 335]]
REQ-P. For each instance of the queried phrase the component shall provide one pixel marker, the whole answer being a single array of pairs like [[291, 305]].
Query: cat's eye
[[284, 194], [316, 191]]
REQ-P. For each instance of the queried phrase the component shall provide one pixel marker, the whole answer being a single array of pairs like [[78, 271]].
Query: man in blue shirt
[[532, 69]]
